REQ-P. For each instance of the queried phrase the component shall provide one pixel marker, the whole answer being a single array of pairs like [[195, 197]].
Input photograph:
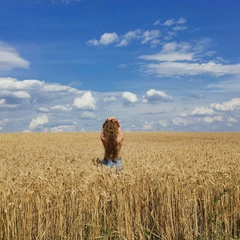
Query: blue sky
[[66, 65]]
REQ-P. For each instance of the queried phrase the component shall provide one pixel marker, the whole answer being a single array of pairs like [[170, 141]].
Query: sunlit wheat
[[172, 186]]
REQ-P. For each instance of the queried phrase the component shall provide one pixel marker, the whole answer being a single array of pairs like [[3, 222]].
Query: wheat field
[[172, 186]]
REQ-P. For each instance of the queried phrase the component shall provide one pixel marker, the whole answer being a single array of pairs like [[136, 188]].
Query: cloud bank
[[10, 58], [34, 105]]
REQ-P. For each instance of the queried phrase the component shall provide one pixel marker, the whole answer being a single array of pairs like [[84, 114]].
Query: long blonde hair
[[110, 128]]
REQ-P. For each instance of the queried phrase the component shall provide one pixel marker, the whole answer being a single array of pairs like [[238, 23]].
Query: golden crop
[[172, 186]]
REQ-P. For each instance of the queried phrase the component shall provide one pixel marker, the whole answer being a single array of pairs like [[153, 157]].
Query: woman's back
[[112, 138]]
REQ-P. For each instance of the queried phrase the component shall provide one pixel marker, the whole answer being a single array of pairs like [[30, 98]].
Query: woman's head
[[110, 129], [110, 125]]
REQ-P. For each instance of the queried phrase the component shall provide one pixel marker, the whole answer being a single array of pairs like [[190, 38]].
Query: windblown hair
[[110, 128]]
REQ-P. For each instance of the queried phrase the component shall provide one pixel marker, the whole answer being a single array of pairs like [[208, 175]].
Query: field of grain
[[172, 186]]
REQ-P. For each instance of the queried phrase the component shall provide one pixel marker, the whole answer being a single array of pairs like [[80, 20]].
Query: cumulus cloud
[[231, 105], [14, 84], [147, 126], [213, 108], [110, 99], [180, 121], [153, 95], [123, 42], [198, 111], [9, 58], [219, 114], [105, 39], [129, 98], [87, 101], [14, 94], [39, 121], [212, 119], [163, 123], [145, 37], [108, 38], [150, 36], [93, 42]]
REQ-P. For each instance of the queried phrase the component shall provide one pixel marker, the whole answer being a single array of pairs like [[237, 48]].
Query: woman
[[112, 138]]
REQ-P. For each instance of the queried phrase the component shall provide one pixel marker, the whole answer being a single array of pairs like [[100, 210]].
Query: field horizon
[[174, 185]]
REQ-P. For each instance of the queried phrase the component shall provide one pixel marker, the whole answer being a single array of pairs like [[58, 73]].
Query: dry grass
[[172, 186]]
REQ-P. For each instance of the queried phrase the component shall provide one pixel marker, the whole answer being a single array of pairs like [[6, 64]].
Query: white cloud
[[123, 43], [40, 120], [9, 58], [179, 28], [198, 111], [175, 115], [21, 94], [133, 34], [136, 34], [32, 84], [150, 36], [87, 101], [42, 109], [93, 42], [208, 120], [55, 87], [171, 52], [232, 119], [168, 57], [163, 123], [147, 37], [129, 97], [216, 108], [179, 121], [15, 94], [66, 108], [181, 21], [181, 69], [227, 106], [215, 118], [186, 59], [109, 99], [229, 85], [2, 101], [3, 123], [153, 95], [64, 128], [108, 38], [170, 22], [147, 126], [105, 39]]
